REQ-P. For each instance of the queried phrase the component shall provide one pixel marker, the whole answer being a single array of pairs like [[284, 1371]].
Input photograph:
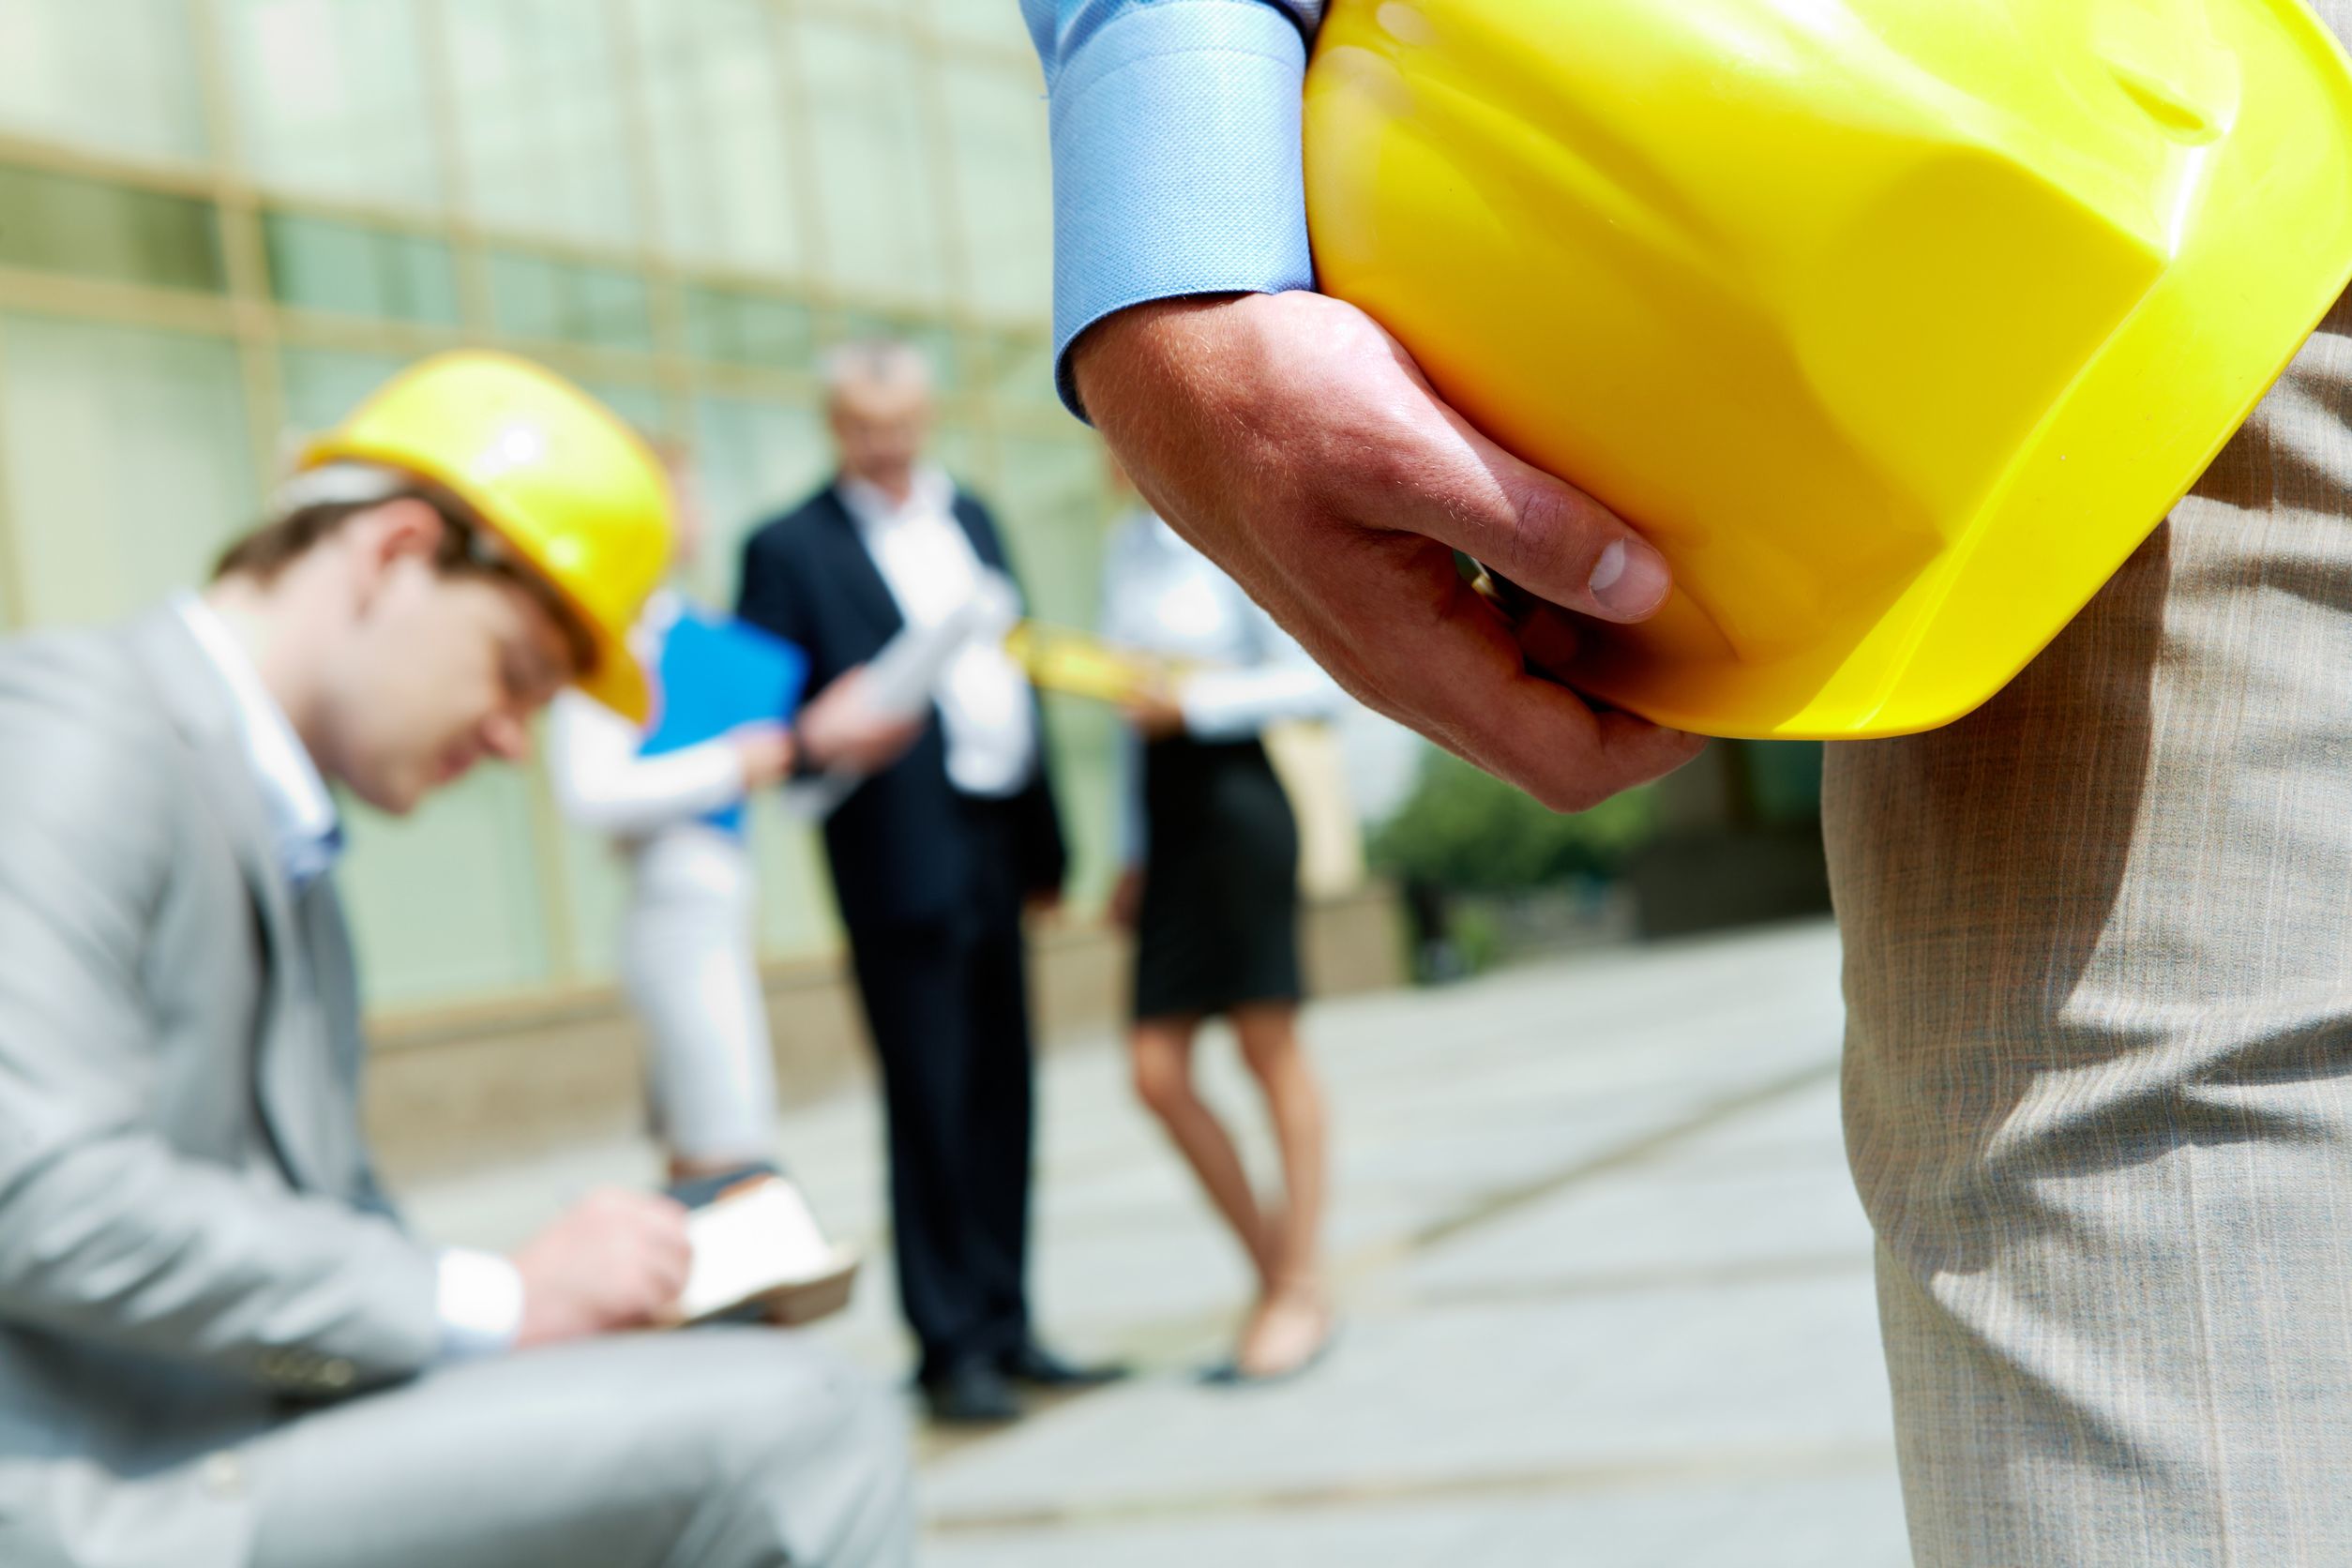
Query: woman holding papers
[[688, 958], [1212, 891], [674, 797]]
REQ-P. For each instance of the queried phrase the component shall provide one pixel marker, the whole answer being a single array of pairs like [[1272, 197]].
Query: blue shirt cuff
[[1176, 164]]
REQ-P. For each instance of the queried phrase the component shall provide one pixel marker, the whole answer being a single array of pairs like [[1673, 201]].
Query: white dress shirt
[[479, 1294], [303, 824], [926, 560]]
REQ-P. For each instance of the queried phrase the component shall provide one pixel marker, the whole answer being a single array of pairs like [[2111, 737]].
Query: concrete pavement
[[1606, 1290]]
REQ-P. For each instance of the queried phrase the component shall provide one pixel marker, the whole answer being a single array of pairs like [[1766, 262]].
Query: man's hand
[[1299, 446], [618, 1260], [842, 731]]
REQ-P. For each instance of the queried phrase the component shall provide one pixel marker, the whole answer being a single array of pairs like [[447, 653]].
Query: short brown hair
[[265, 552]]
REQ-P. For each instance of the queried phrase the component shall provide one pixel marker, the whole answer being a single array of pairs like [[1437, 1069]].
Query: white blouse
[[604, 784], [1163, 596], [606, 787]]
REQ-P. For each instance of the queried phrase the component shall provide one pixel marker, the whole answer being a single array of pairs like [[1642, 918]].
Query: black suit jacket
[[901, 846]]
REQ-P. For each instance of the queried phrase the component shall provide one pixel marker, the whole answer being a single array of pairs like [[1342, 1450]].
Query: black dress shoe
[[1039, 1367], [971, 1394]]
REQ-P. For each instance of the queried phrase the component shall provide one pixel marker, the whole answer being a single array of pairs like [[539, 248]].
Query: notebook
[[758, 1247]]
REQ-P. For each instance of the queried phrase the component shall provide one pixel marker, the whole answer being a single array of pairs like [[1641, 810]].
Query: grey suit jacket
[[191, 1241]]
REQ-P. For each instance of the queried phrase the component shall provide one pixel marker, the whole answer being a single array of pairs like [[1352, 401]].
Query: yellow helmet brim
[[1896, 324]]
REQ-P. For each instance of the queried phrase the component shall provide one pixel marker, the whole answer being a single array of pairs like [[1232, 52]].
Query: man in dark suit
[[935, 857]]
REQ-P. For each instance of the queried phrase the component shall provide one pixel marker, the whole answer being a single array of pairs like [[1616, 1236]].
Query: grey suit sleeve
[[108, 1232]]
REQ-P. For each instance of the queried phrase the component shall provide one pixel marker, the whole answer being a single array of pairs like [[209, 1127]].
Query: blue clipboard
[[716, 674]]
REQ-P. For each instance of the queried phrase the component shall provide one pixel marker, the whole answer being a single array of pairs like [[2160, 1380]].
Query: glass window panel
[[712, 330], [320, 386], [423, 279], [62, 223], [127, 465], [446, 904], [325, 265], [985, 24], [596, 894], [540, 121], [1051, 502], [527, 296], [639, 406], [115, 76], [532, 297], [968, 454], [1004, 188], [1013, 364], [754, 460], [797, 915], [884, 233], [333, 99], [779, 334], [715, 106], [1082, 748], [733, 327], [612, 309]]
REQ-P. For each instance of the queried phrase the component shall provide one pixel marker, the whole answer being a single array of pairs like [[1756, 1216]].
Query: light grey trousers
[[2099, 1059], [690, 957], [712, 1448]]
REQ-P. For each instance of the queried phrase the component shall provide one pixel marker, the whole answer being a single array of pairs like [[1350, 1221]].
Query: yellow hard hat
[[578, 498], [1897, 324]]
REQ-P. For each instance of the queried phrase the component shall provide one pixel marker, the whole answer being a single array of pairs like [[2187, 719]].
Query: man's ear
[[381, 537]]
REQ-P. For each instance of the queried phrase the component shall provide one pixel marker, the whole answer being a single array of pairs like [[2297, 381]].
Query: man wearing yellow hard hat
[[1965, 382], [218, 1344]]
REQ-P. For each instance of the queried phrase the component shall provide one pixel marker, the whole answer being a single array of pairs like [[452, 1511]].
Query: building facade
[[222, 222]]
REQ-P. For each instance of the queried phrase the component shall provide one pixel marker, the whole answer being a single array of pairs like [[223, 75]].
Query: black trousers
[[948, 1004]]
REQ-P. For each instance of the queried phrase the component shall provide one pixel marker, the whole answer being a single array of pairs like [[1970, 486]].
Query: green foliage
[[1470, 832], [1477, 936], [1785, 780]]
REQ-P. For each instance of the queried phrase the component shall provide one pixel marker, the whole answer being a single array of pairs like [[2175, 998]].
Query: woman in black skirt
[[1212, 891]]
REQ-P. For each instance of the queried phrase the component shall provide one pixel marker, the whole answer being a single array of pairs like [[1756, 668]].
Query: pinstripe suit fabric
[[2099, 1056]]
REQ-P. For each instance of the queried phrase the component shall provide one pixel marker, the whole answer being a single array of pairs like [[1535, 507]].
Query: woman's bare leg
[[1160, 1052], [1295, 1318]]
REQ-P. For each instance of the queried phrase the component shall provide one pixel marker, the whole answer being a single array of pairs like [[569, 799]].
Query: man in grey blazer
[[2098, 1078], [218, 1345]]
